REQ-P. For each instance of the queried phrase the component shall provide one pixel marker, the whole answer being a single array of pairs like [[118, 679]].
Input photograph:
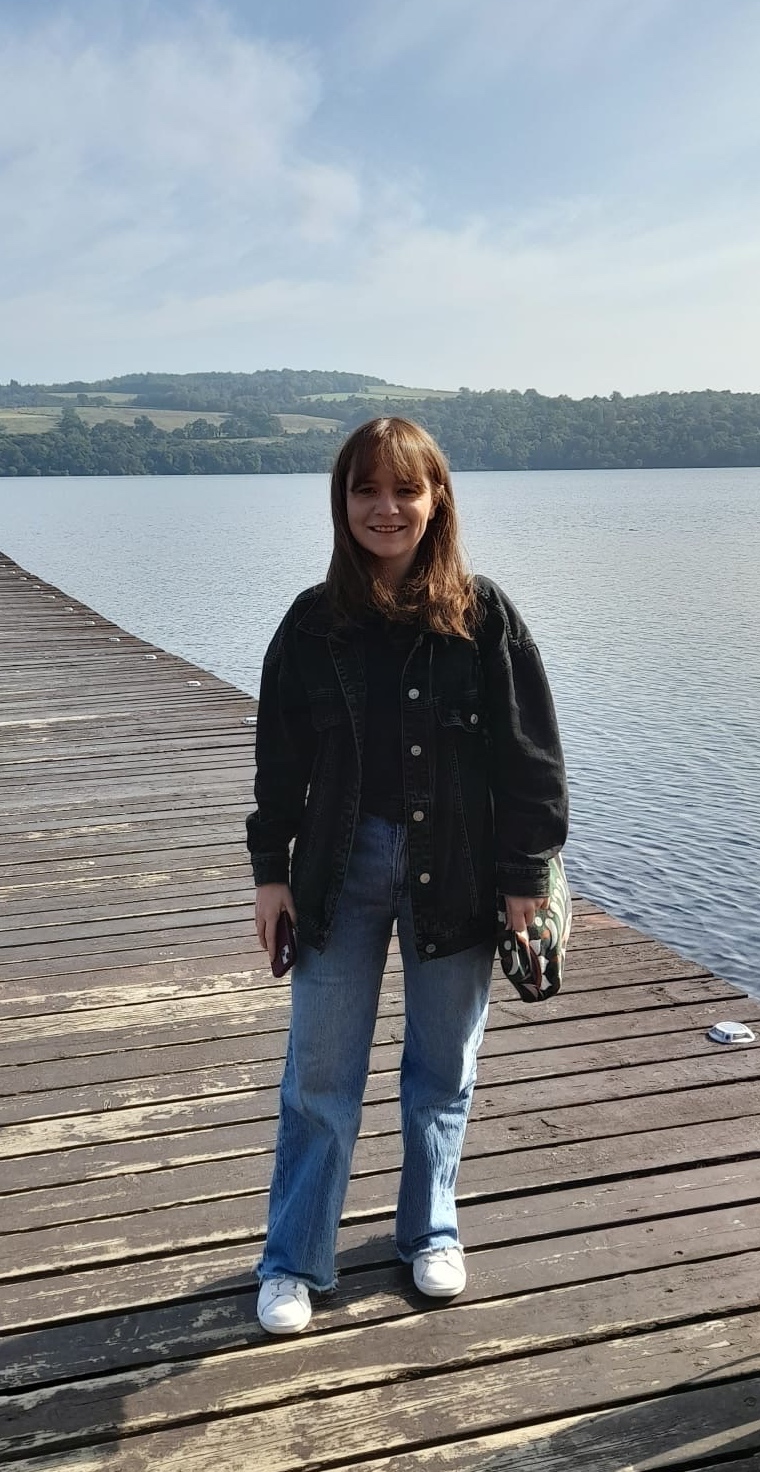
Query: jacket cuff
[[270, 868], [529, 880]]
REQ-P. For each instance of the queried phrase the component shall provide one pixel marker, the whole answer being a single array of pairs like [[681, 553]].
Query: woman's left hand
[[522, 910]]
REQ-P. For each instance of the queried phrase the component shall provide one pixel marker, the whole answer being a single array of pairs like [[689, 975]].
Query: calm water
[[641, 588]]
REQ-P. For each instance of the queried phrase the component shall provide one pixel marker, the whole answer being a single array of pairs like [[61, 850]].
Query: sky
[[552, 194]]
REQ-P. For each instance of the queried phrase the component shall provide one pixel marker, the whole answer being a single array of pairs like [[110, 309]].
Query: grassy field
[[37, 421], [120, 408], [300, 423], [28, 421], [96, 393], [389, 391]]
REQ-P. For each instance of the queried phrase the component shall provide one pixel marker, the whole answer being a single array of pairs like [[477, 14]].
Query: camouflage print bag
[[534, 966]]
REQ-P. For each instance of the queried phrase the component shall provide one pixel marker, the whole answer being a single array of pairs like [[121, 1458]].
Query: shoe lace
[[286, 1285]]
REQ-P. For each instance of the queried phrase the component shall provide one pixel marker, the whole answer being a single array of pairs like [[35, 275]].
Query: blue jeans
[[335, 997]]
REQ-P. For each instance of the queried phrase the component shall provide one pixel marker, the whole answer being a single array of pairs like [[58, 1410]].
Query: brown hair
[[439, 591]]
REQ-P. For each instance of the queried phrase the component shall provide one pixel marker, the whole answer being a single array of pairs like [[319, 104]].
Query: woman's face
[[389, 517]]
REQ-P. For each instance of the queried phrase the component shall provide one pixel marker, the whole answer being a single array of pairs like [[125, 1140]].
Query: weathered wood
[[242, 1218], [608, 1184], [135, 1075], [726, 1086], [374, 1182], [152, 1280], [154, 1335], [645, 1436], [239, 1381], [408, 1411], [688, 1063], [81, 1028]]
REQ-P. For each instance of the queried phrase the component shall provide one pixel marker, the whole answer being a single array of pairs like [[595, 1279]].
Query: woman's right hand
[[271, 900]]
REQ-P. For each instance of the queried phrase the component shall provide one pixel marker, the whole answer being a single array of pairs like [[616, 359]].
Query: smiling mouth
[[385, 530]]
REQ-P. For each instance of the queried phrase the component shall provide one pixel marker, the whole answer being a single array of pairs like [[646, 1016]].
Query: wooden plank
[[212, 1005], [141, 1336], [646, 1436], [649, 1066], [127, 986], [110, 928], [158, 1049], [111, 1080], [123, 1194], [51, 872], [540, 1154], [239, 1381], [150, 1280], [727, 1085], [608, 1185], [408, 1411], [215, 930], [155, 1230], [186, 1020]]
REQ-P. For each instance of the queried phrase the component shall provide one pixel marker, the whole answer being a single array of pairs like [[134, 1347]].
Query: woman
[[407, 741]]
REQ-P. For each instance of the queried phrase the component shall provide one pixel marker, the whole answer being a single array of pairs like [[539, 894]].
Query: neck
[[396, 575]]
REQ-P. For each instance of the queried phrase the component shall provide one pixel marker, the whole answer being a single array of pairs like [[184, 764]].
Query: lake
[[641, 588]]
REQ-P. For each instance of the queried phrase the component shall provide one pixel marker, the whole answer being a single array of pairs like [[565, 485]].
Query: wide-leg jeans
[[334, 1008]]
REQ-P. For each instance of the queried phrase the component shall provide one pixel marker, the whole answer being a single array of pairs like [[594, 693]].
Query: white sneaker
[[284, 1306], [440, 1272]]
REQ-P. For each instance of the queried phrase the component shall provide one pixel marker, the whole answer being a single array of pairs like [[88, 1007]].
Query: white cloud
[[455, 41], [588, 310], [179, 152], [330, 201], [163, 204]]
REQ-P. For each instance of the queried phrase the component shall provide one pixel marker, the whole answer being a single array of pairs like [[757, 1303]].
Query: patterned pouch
[[535, 966]]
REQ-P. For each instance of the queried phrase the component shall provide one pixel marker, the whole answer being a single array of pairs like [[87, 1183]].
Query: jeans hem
[[437, 1241], [262, 1273]]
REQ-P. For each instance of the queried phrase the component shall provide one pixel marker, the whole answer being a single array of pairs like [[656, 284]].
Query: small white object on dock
[[731, 1032]]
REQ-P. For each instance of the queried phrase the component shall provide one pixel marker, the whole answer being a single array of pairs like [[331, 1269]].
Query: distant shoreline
[[456, 470], [287, 421]]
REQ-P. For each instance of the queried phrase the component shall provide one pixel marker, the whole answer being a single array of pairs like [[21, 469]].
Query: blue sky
[[558, 194]]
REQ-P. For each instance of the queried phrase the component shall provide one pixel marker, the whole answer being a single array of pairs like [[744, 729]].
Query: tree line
[[530, 431], [495, 430], [111, 448]]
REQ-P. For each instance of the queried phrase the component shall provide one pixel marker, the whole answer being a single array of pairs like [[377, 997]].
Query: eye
[[362, 490]]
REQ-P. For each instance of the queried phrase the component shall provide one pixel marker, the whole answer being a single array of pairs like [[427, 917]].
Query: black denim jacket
[[484, 778]]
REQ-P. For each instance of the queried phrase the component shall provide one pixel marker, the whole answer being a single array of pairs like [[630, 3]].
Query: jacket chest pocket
[[461, 713], [328, 710]]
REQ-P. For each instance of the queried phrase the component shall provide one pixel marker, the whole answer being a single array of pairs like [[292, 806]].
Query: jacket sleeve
[[284, 754], [528, 779]]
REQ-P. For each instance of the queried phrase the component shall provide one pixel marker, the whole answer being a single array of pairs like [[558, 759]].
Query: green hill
[[294, 420]]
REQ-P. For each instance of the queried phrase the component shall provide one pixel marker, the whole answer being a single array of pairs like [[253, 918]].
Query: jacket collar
[[318, 617]]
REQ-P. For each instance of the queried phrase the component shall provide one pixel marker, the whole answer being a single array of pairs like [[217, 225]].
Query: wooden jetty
[[610, 1197]]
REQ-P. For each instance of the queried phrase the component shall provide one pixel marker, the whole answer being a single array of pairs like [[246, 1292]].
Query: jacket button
[[413, 693], [424, 878], [473, 720], [416, 750], [431, 949], [418, 815]]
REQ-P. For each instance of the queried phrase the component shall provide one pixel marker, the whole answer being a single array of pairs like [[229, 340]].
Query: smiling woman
[[406, 740], [392, 497], [389, 518]]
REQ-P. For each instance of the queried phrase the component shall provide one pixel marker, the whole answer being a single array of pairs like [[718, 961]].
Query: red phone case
[[285, 938]]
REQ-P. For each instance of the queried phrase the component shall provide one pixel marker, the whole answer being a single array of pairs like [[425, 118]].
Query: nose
[[387, 503]]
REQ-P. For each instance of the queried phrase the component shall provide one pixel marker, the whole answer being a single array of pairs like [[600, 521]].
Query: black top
[[387, 646], [491, 833]]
